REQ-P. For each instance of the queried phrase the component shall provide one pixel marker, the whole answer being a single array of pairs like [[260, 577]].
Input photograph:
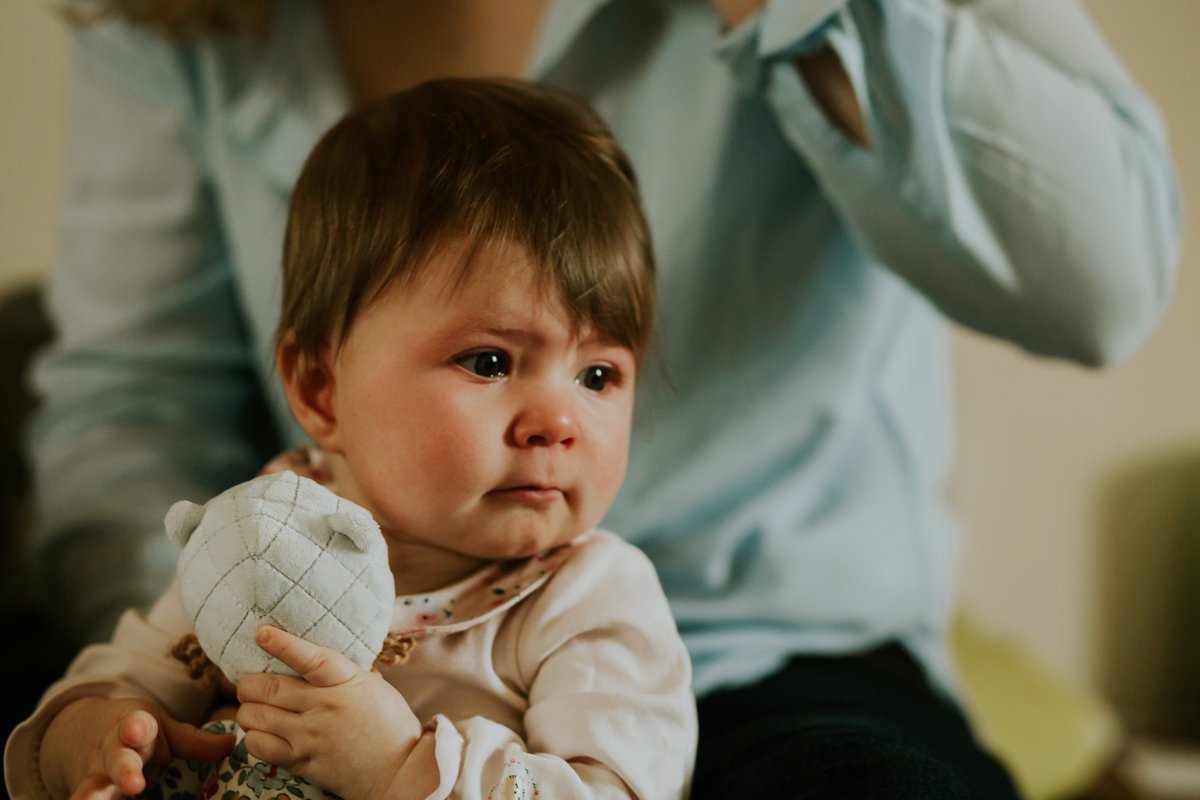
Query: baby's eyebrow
[[517, 332], [508, 333]]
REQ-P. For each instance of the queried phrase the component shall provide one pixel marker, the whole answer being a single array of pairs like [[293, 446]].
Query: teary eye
[[596, 378], [485, 364]]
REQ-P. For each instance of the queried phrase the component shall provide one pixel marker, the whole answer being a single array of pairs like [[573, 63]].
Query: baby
[[467, 299]]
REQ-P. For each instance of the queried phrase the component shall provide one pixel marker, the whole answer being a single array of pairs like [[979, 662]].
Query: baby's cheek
[[609, 474], [439, 451]]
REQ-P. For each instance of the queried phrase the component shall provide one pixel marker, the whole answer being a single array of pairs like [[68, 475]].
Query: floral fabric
[[239, 776]]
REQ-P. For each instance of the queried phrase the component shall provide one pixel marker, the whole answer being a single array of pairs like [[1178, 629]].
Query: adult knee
[[827, 762]]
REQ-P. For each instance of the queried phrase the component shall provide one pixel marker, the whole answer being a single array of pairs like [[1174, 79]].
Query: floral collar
[[486, 593]]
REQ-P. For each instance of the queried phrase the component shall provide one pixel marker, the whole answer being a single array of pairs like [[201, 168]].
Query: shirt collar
[[487, 593], [291, 93]]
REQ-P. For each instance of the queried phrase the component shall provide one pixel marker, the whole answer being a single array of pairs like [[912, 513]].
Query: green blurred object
[[1190, 622], [1055, 739]]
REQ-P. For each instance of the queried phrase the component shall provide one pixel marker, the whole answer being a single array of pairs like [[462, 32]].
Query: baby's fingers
[[123, 770], [188, 741], [319, 666], [95, 787], [273, 749], [139, 731], [117, 768]]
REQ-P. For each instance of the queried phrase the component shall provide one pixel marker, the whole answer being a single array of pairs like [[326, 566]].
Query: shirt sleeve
[[135, 664], [611, 713], [1016, 176], [148, 391]]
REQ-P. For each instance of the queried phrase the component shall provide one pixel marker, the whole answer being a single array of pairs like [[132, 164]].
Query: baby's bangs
[[569, 204]]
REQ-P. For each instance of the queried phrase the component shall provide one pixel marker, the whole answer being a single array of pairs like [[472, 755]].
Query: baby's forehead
[[506, 304], [503, 283], [493, 267]]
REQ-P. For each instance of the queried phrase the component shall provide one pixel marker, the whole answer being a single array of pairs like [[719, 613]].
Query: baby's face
[[480, 419]]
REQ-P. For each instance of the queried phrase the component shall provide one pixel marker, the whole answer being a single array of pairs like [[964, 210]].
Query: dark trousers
[[857, 727]]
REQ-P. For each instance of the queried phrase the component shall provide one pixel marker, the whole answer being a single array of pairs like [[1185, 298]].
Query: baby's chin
[[527, 544], [506, 543]]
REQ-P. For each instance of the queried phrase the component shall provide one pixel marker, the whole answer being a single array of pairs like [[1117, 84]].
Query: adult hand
[[734, 12], [98, 749], [342, 728], [822, 71]]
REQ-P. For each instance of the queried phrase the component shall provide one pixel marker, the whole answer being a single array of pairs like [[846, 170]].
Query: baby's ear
[[357, 526], [182, 520], [308, 385]]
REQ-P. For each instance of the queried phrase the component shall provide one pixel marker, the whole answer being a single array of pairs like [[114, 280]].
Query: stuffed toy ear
[[182, 520], [358, 527]]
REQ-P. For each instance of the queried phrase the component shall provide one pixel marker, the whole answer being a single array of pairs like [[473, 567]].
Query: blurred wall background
[[32, 87], [1078, 490]]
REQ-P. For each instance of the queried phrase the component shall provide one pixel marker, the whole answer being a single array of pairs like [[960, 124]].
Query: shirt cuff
[[448, 753], [782, 29]]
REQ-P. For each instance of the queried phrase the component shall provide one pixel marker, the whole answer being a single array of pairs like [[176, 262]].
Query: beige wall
[[32, 72], [1069, 482], [1073, 485]]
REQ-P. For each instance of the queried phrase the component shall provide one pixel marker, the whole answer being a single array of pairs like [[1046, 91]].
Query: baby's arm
[[607, 682], [95, 746], [132, 672]]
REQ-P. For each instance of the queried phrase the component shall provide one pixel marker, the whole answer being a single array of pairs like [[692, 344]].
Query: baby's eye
[[485, 364], [596, 378]]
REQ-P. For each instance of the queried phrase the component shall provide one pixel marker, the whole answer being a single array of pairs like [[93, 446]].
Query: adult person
[[826, 181]]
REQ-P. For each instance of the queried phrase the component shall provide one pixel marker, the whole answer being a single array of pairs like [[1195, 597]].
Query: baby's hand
[[340, 727], [97, 749]]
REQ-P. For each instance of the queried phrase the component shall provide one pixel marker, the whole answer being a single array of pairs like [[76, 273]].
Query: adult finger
[[318, 665]]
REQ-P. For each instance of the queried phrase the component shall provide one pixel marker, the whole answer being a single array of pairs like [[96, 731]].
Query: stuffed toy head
[[281, 550]]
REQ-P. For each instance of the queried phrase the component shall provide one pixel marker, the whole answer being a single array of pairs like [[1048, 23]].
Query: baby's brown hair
[[479, 160]]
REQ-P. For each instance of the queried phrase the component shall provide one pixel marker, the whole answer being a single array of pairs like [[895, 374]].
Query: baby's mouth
[[529, 493]]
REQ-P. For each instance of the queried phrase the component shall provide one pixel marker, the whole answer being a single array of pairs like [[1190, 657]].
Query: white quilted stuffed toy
[[282, 550]]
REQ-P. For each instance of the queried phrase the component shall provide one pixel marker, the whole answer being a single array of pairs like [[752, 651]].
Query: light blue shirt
[[794, 424]]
